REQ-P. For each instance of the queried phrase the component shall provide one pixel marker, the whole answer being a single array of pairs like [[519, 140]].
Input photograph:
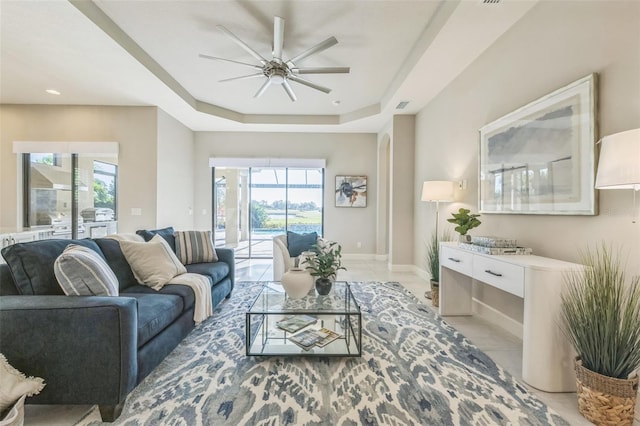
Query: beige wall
[[175, 189], [401, 193], [346, 154], [555, 44], [134, 128]]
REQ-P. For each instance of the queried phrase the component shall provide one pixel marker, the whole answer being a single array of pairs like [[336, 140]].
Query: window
[[74, 194], [104, 185]]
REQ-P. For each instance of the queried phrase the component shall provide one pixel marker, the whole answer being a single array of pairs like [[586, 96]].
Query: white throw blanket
[[202, 290]]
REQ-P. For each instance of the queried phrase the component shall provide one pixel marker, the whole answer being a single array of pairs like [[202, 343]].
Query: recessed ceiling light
[[52, 92], [336, 102]]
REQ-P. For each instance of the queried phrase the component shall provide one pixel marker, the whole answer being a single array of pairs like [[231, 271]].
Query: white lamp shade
[[437, 190], [619, 164]]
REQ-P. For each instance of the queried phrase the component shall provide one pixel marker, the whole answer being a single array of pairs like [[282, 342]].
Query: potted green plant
[[600, 315], [324, 264], [465, 222]]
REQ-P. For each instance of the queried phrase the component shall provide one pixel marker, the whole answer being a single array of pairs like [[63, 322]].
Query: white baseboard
[[358, 256], [382, 257], [401, 268], [496, 318], [422, 273]]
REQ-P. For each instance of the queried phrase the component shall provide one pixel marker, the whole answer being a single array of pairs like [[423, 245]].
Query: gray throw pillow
[[297, 243], [81, 271]]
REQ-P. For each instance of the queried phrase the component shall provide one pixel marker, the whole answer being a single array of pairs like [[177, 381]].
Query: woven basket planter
[[605, 400], [435, 294]]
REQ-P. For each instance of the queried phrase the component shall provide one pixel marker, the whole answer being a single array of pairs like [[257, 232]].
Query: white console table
[[547, 357]]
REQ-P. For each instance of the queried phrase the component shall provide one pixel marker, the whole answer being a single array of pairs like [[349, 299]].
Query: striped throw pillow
[[81, 271], [195, 247]]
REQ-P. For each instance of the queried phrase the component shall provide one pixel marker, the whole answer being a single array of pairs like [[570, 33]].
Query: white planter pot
[[297, 283]]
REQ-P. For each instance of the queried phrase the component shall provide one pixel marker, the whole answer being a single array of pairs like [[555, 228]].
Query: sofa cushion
[[31, 264], [166, 233], [115, 258], [185, 292], [155, 313], [7, 286], [153, 263], [297, 243], [81, 271], [214, 271], [195, 247]]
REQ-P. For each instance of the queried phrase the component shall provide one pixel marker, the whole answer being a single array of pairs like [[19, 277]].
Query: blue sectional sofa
[[93, 349]]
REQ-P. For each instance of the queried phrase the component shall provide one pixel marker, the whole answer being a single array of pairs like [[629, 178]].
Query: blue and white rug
[[415, 370]]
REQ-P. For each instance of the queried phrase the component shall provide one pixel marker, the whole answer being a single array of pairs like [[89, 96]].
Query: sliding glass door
[[254, 204], [305, 200]]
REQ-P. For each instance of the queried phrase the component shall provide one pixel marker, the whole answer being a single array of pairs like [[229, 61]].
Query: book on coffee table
[[296, 322], [309, 338], [330, 336]]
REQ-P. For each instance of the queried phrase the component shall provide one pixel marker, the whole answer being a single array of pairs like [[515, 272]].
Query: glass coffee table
[[274, 323]]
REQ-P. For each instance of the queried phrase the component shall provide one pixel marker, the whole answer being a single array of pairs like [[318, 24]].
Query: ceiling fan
[[278, 71]]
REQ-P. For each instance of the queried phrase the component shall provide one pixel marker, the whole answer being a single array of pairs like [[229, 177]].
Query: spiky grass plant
[[601, 314], [433, 255]]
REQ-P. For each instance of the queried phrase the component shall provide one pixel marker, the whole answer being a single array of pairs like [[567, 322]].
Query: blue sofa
[[93, 349]]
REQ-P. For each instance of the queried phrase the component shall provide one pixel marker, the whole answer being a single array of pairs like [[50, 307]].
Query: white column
[[244, 206], [232, 213]]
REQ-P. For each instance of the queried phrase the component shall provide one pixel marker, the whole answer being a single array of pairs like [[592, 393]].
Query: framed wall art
[[351, 191], [540, 158]]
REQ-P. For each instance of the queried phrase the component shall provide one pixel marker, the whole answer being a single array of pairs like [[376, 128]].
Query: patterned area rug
[[415, 370]]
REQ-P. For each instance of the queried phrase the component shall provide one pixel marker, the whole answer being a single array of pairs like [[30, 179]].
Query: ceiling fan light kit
[[277, 71]]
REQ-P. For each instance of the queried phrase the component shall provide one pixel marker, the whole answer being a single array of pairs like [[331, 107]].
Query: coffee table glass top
[[273, 299], [338, 312]]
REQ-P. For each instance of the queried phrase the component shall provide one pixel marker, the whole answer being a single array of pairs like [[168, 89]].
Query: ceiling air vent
[[491, 1], [402, 105]]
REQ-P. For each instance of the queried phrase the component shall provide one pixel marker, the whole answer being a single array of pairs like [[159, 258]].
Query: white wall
[[346, 154], [175, 190], [553, 45]]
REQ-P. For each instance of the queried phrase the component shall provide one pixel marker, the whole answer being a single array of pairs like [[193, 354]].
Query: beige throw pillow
[[14, 384], [153, 263]]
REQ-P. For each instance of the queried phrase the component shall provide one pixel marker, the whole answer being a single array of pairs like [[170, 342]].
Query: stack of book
[[307, 339], [495, 246], [296, 322]]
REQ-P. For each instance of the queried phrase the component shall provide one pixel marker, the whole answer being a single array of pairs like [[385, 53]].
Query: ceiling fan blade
[[278, 37], [242, 44], [322, 70], [244, 77], [289, 90], [309, 84], [262, 89], [258, 67], [331, 41]]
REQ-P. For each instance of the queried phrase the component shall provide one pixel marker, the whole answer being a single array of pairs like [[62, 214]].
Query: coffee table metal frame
[[338, 311]]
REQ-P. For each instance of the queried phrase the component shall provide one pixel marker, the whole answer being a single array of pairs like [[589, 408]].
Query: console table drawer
[[458, 260], [505, 276]]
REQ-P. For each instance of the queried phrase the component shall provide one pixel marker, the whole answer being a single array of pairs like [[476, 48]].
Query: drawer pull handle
[[495, 274], [454, 260]]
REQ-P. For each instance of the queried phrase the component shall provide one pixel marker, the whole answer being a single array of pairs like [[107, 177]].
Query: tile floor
[[504, 348]]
